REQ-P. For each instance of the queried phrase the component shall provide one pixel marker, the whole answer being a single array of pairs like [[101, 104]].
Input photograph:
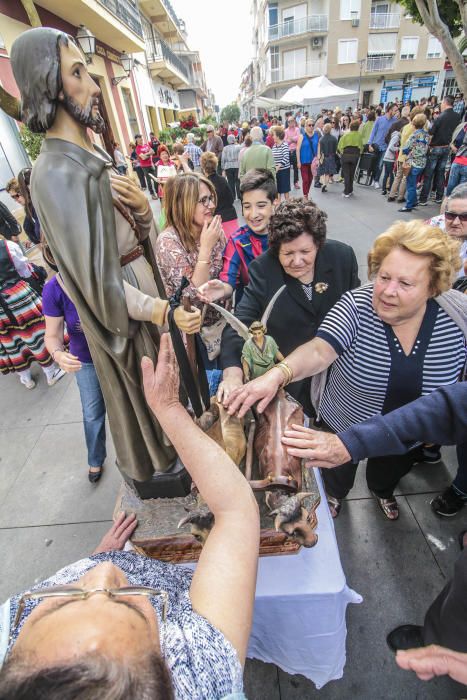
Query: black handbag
[[38, 278]]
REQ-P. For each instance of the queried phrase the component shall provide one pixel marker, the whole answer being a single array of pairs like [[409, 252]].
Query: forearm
[[219, 481], [142, 307], [440, 417], [310, 358], [53, 341], [202, 273]]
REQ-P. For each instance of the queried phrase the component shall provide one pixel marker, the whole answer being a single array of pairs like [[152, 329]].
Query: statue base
[[175, 483]]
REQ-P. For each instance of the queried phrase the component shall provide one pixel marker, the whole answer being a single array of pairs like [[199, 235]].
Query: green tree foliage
[[32, 142], [230, 113], [448, 11]]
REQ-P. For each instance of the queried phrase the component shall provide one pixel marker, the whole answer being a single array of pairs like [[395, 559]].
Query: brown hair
[[12, 184], [420, 239], [92, 677], [181, 196], [355, 125], [208, 163], [178, 148], [279, 131], [294, 217]]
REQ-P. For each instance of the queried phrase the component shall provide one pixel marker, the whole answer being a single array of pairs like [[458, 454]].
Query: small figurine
[[260, 352]]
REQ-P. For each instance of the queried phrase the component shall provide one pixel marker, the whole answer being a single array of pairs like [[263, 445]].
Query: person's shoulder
[[333, 248], [266, 264]]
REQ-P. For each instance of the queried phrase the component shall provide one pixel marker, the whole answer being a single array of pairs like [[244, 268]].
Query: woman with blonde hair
[[380, 347], [193, 241]]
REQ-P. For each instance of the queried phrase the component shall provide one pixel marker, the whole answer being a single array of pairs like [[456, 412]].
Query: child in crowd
[[389, 159], [259, 199], [281, 155]]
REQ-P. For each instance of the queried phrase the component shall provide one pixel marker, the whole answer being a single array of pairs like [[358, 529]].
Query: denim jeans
[[378, 165], [388, 175], [411, 193], [457, 176], [93, 406], [435, 167]]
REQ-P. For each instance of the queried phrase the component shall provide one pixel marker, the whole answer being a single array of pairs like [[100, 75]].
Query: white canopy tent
[[321, 89], [293, 96]]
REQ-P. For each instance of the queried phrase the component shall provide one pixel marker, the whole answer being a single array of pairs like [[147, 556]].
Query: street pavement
[[50, 515]]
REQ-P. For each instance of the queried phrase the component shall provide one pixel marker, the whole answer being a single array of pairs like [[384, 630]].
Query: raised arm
[[223, 585]]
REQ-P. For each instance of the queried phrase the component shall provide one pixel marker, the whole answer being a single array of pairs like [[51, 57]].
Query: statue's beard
[[84, 115]]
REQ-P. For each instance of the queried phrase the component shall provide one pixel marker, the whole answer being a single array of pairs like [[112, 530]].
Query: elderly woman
[[385, 344], [225, 199], [192, 244], [120, 625], [312, 273]]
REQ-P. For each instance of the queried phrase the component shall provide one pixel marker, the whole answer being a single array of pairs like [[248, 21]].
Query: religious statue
[[260, 352], [100, 231]]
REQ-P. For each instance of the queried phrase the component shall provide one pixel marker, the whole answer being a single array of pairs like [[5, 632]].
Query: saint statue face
[[80, 94]]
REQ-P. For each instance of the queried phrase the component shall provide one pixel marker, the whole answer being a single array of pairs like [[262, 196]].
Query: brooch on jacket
[[321, 287]]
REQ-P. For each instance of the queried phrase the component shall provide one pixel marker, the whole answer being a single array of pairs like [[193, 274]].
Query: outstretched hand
[[262, 389], [431, 661], [161, 386], [118, 535], [320, 449]]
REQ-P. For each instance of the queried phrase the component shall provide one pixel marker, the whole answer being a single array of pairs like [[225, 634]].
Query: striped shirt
[[368, 350], [194, 153], [281, 155]]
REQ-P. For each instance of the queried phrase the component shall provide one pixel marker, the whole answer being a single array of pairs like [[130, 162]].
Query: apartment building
[[370, 46]]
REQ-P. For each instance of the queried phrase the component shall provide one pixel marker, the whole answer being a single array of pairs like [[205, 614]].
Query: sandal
[[335, 505], [388, 506]]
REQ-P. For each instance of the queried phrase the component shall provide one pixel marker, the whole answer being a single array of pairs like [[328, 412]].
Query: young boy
[[258, 192]]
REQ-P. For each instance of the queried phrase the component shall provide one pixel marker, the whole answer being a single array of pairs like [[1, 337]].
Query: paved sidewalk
[[51, 515]]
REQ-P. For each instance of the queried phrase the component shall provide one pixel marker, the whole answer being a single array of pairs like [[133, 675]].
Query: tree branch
[[463, 12], [425, 14]]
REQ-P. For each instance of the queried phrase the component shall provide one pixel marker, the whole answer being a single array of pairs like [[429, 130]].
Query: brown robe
[[72, 196]]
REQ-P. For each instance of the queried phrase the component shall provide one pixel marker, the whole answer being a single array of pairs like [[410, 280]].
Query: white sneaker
[[376, 185], [29, 384], [57, 375]]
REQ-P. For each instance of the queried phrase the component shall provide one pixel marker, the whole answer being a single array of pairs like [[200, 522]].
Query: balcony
[[113, 22], [386, 20], [379, 64], [310, 69], [163, 15], [165, 64], [305, 25]]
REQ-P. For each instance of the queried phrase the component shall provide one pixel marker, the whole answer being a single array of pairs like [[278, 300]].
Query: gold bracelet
[[287, 372]]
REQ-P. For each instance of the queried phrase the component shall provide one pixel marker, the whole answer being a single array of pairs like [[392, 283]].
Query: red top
[[144, 162]]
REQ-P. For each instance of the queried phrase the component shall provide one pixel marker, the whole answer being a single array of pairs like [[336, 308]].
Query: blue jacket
[[380, 129], [439, 417]]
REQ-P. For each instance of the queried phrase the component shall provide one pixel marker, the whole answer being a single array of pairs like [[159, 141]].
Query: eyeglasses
[[15, 196], [82, 594], [452, 215], [207, 200]]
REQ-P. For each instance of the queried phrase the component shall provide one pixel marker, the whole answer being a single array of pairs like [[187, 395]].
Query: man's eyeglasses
[[451, 215], [207, 200], [82, 594]]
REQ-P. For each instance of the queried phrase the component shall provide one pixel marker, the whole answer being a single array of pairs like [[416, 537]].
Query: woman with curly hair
[[380, 347], [312, 274]]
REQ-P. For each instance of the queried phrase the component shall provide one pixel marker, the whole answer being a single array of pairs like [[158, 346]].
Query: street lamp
[[361, 62], [87, 42], [126, 62]]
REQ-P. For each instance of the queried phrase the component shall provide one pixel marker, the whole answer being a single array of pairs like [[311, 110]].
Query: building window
[[349, 6], [294, 19], [294, 64], [434, 48], [273, 16], [382, 44], [409, 47], [347, 50]]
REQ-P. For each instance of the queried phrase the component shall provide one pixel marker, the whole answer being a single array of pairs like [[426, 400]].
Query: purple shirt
[[57, 304]]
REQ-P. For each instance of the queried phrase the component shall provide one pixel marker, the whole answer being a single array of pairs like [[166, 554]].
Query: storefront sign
[[426, 81], [384, 96], [107, 53], [407, 94], [166, 97]]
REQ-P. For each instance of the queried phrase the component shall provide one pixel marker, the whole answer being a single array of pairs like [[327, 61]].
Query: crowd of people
[[355, 355]]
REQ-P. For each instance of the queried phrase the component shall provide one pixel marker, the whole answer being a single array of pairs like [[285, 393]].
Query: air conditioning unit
[[317, 42], [355, 19]]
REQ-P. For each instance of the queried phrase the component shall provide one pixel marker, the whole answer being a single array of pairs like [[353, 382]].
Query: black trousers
[[382, 475], [293, 163], [234, 182], [141, 179], [150, 182], [349, 163], [446, 618]]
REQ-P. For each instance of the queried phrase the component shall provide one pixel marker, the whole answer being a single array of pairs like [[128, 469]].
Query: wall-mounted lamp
[[126, 62], [87, 42]]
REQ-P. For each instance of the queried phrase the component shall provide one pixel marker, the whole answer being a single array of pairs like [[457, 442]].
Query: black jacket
[[442, 128], [9, 226], [294, 320], [225, 206]]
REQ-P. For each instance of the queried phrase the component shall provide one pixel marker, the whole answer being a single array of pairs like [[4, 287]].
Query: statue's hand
[[129, 193], [161, 387], [188, 321]]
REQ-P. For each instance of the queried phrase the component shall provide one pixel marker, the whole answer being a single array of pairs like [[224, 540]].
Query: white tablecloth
[[299, 616]]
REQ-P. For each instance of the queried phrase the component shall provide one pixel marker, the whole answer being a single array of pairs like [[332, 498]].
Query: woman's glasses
[[15, 196], [207, 200], [451, 215]]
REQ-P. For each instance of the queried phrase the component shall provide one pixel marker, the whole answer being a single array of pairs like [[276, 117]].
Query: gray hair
[[230, 138], [35, 60], [256, 133], [459, 192], [190, 137]]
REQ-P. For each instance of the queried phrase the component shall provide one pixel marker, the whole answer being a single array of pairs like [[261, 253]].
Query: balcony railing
[[158, 50], [309, 69], [312, 23], [378, 64], [126, 12], [171, 11], [386, 20]]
